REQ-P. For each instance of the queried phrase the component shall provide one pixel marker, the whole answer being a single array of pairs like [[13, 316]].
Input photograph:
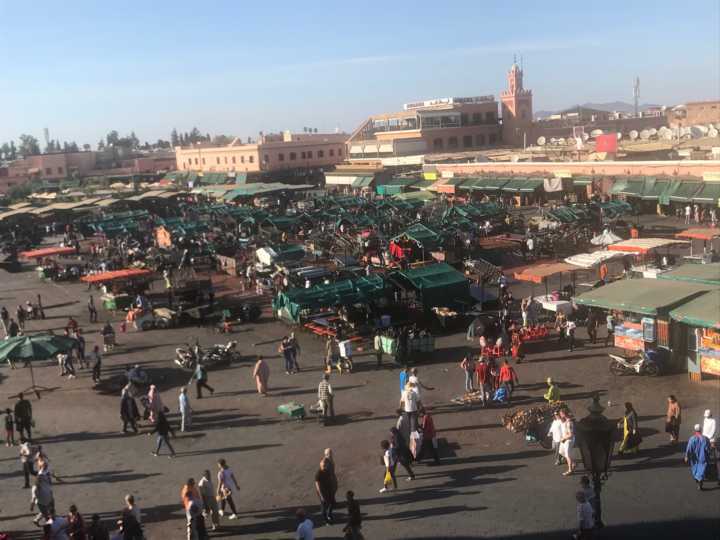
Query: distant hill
[[619, 106]]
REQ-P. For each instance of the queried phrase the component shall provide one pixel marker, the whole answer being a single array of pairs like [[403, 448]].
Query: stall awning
[[362, 181], [643, 245], [591, 260], [633, 187], [522, 185], [656, 190], [489, 184], [582, 180], [449, 186], [127, 273], [415, 196], [684, 191], [708, 274], [699, 234], [47, 252], [341, 179], [541, 272], [709, 193], [703, 311], [644, 296]]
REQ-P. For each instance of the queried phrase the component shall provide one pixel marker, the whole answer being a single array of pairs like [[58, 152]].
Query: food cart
[[697, 335], [120, 286]]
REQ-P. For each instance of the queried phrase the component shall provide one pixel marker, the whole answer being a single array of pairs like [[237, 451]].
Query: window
[[490, 117], [60, 170], [251, 159], [293, 156], [321, 153], [225, 160], [309, 154], [190, 162], [242, 159], [477, 118], [453, 142], [492, 138], [464, 119], [217, 161], [467, 141], [523, 113], [267, 158], [233, 160], [339, 151], [332, 152], [48, 171], [302, 155], [196, 161], [438, 144], [480, 140], [281, 157]]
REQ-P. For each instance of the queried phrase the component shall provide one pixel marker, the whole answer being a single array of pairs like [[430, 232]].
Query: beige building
[[274, 152]]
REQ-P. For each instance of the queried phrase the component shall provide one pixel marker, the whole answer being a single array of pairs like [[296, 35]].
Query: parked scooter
[[187, 357], [647, 363]]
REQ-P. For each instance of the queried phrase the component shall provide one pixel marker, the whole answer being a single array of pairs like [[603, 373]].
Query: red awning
[[47, 252], [116, 274], [699, 234], [540, 272]]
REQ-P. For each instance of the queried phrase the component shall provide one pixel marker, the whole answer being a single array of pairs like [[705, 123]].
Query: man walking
[[324, 486], [697, 455], [209, 502], [96, 363], [163, 430], [4, 320], [23, 417], [92, 311], [325, 398], [227, 486], [377, 345], [201, 379], [410, 403], [508, 378]]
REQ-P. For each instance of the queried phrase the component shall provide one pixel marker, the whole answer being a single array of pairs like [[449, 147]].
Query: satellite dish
[[596, 132], [585, 137], [713, 132], [644, 134], [619, 135], [541, 141], [702, 129], [561, 141], [633, 135], [653, 132], [695, 132], [667, 135], [553, 140]]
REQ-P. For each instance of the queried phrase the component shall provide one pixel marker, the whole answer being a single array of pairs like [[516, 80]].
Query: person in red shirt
[[482, 375], [429, 436], [508, 378]]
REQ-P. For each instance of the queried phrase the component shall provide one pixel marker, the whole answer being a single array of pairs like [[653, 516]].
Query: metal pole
[[597, 486]]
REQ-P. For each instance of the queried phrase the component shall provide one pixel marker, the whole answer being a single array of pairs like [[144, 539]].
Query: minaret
[[516, 108]]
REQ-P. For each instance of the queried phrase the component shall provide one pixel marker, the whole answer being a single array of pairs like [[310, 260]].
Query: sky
[[83, 68]]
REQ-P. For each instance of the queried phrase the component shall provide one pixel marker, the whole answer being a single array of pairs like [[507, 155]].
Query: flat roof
[[704, 311], [695, 273]]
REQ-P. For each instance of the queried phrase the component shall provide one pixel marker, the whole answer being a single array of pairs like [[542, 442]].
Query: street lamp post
[[595, 438]]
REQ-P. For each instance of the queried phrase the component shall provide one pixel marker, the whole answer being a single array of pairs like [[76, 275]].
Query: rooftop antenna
[[636, 94], [514, 58], [521, 62], [46, 134]]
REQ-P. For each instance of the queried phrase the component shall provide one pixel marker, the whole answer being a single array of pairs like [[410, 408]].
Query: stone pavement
[[490, 484]]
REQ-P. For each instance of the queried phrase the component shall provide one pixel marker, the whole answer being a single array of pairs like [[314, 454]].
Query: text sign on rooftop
[[448, 101]]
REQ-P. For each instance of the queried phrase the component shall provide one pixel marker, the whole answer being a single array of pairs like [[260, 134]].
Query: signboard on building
[[710, 365], [448, 101]]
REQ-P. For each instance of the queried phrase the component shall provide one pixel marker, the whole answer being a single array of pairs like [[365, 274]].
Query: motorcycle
[[647, 363], [187, 357]]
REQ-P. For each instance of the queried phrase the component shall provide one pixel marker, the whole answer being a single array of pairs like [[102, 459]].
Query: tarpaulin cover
[[695, 273], [643, 245], [709, 193], [591, 260], [645, 296], [703, 311], [47, 252], [439, 285], [699, 234], [345, 292], [684, 191], [127, 273], [540, 272]]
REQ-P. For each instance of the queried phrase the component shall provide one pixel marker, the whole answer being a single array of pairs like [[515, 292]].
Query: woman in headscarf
[[155, 404], [631, 433], [262, 375]]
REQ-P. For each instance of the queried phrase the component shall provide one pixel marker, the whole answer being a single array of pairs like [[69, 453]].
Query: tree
[[101, 145], [112, 138], [28, 145], [315, 130], [222, 140], [50, 147], [187, 138], [174, 139], [86, 147], [13, 150]]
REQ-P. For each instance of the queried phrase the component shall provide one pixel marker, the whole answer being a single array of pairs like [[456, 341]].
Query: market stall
[[120, 286], [707, 236], [543, 273], [699, 328], [39, 254]]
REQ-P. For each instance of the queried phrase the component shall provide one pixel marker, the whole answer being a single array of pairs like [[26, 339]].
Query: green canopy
[[489, 184], [656, 189], [633, 187], [362, 181], [703, 311], [415, 196], [291, 303], [423, 236], [708, 274], [213, 178], [644, 296], [439, 285], [709, 193], [37, 347], [515, 184], [618, 186], [685, 190]]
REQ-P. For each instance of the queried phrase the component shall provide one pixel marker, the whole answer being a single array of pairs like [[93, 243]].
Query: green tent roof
[[684, 191], [709, 193], [656, 189], [633, 187], [213, 178], [704, 311], [439, 285], [424, 236], [708, 274], [415, 196], [618, 186], [362, 181], [644, 296]]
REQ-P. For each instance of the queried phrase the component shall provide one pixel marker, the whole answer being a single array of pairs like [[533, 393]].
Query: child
[[9, 428]]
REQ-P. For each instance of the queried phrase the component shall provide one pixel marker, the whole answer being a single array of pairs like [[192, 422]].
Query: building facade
[[695, 113], [438, 125], [274, 152]]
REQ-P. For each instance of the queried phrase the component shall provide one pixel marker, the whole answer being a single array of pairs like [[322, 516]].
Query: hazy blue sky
[[82, 68]]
